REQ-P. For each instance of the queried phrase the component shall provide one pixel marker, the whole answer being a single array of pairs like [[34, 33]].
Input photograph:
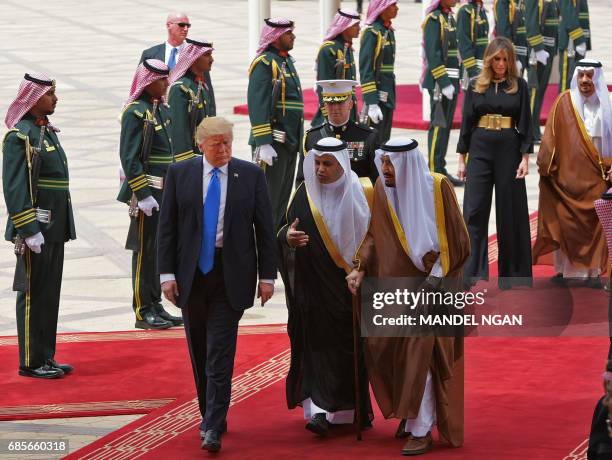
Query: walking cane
[[356, 336]]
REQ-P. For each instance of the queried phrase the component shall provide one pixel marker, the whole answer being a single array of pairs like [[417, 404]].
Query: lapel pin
[[235, 174]]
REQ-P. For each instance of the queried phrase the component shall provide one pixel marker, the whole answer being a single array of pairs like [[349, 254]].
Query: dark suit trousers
[[211, 326]]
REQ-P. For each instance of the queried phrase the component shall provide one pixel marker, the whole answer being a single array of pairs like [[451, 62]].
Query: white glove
[[449, 92], [148, 205], [34, 242], [519, 66], [375, 113], [121, 176], [267, 154], [542, 56], [581, 49]]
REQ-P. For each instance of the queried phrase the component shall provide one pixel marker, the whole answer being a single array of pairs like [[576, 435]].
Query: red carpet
[[159, 371], [525, 398], [408, 112]]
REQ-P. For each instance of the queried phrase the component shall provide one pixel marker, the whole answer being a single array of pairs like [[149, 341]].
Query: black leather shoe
[[212, 441], [318, 424], [558, 279], [163, 314], [401, 430], [42, 372], [223, 430], [65, 368], [151, 320], [455, 181]]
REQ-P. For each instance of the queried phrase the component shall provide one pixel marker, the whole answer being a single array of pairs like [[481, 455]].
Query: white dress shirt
[[169, 50], [207, 175], [591, 114]]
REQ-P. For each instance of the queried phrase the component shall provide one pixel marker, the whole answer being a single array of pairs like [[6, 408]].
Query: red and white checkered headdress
[[32, 88], [147, 72], [273, 29], [192, 50], [376, 7], [342, 21]]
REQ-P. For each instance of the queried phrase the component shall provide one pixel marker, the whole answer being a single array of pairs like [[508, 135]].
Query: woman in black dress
[[496, 130]]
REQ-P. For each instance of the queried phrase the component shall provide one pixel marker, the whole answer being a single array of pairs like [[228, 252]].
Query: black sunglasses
[[182, 24]]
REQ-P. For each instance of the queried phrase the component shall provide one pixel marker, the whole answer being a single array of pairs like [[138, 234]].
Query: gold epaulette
[[257, 60], [136, 112], [326, 44], [19, 134], [435, 15]]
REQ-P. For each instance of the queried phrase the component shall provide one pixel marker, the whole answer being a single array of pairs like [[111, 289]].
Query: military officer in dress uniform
[[441, 79], [145, 149], [336, 58], [510, 23], [276, 111], [472, 38], [191, 96], [361, 140], [376, 65], [542, 22], [35, 183], [574, 38]]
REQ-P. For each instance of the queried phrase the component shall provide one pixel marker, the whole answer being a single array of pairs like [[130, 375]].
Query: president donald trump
[[216, 235]]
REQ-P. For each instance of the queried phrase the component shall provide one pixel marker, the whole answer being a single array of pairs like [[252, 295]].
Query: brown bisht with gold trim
[[572, 177], [320, 323], [397, 366]]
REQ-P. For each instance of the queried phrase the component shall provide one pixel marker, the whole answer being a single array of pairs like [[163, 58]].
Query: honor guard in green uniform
[[35, 184], [376, 66], [472, 38], [441, 79], [510, 23], [574, 38], [276, 111], [191, 96], [336, 58], [361, 140], [145, 149], [542, 17]]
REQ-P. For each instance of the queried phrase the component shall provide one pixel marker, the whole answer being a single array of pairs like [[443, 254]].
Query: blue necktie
[[172, 60], [211, 217]]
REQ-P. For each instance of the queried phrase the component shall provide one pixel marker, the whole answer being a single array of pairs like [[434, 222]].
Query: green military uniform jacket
[[542, 23], [472, 36], [440, 34], [329, 67], [288, 114], [510, 23], [184, 98], [130, 145], [362, 142], [574, 23], [53, 184], [377, 42]]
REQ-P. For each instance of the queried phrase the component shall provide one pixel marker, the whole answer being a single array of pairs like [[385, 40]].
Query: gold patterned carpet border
[[177, 333]]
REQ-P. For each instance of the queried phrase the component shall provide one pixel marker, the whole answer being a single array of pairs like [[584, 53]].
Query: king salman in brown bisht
[[325, 223], [417, 233], [573, 163]]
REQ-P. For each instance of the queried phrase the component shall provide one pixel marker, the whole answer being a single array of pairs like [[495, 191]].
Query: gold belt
[[495, 122]]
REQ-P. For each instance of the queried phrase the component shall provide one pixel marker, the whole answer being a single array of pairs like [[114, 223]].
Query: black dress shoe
[[66, 368], [558, 279], [223, 430], [401, 430], [163, 314], [593, 282], [212, 441], [455, 181], [43, 372], [151, 320], [318, 424]]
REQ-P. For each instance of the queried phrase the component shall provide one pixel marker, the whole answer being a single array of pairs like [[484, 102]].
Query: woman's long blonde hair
[[487, 74]]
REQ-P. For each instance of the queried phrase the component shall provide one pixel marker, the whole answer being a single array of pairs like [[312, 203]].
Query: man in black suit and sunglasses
[[178, 27]]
